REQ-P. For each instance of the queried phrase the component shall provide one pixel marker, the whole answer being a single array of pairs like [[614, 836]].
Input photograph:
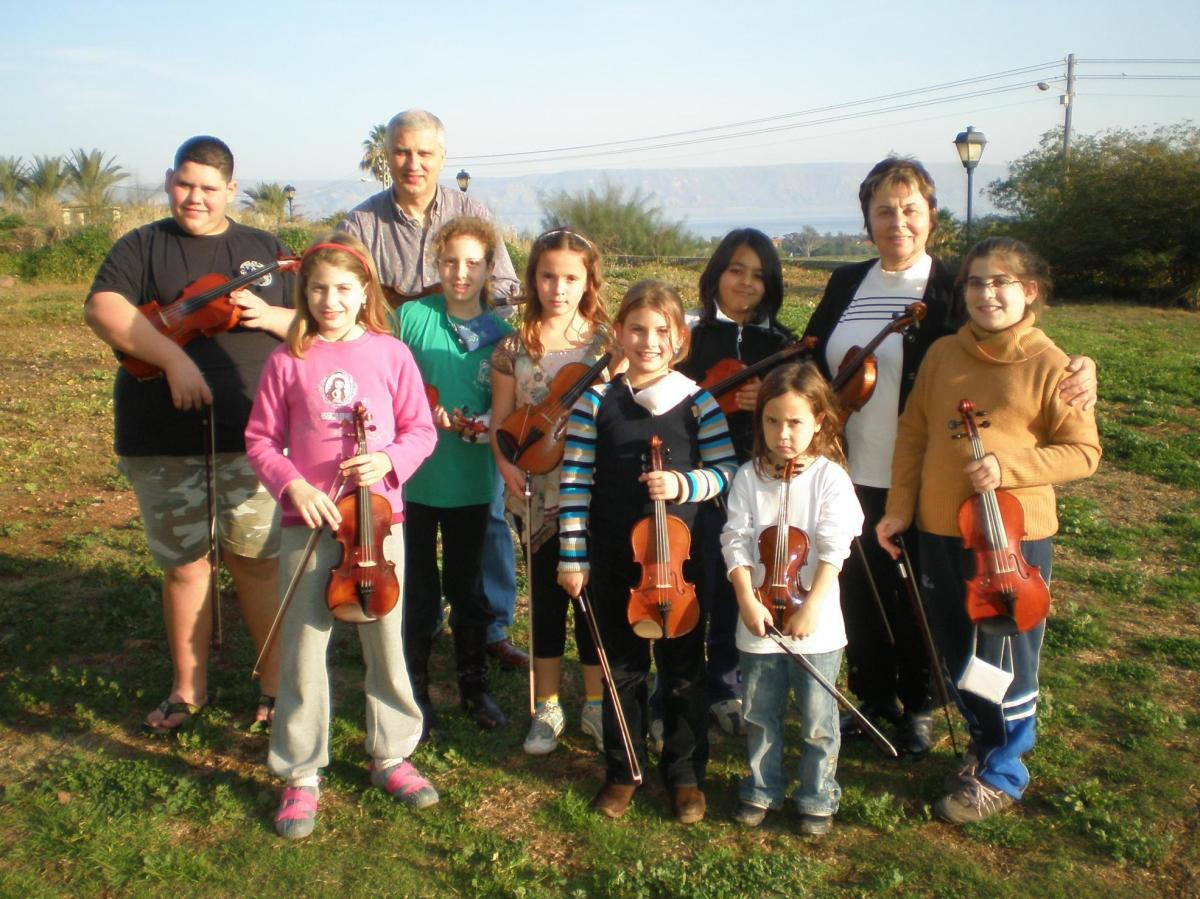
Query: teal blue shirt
[[458, 473]]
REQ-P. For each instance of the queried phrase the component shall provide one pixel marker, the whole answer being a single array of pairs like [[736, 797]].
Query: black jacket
[[944, 315]]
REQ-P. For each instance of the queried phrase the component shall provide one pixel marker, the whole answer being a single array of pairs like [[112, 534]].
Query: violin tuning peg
[[954, 424], [979, 413], [985, 424], [957, 436]]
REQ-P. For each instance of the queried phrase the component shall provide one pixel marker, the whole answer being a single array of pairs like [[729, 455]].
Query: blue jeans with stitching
[[767, 679]]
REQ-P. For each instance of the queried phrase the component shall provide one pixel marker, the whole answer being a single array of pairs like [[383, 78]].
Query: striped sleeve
[[716, 453], [575, 482]]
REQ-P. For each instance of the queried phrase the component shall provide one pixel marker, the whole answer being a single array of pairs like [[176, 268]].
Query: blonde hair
[[591, 306], [804, 380], [663, 299], [354, 259]]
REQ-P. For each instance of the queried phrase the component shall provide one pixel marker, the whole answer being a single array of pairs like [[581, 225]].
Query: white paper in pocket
[[984, 679]]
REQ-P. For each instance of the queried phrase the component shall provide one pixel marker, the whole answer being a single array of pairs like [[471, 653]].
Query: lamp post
[[970, 144], [290, 193], [464, 179]]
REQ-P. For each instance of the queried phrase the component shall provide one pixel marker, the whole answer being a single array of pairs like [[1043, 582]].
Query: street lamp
[[464, 179], [290, 193], [970, 144]]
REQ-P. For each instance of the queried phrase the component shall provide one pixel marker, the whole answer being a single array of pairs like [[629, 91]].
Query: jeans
[[499, 568], [766, 680], [1003, 733]]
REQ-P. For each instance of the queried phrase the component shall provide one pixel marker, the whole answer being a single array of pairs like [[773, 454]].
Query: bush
[[74, 258], [1123, 221], [295, 238], [619, 225]]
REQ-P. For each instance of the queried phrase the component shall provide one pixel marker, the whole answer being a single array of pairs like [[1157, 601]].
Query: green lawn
[[89, 806]]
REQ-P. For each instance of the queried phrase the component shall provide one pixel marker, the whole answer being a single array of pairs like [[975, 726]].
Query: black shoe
[[483, 710], [877, 714], [470, 656], [916, 735]]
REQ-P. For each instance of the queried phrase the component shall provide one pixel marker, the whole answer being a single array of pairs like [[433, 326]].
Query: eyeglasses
[[979, 285]]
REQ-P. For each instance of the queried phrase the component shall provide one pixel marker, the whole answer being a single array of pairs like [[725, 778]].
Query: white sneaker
[[728, 715], [655, 741], [547, 724], [591, 722]]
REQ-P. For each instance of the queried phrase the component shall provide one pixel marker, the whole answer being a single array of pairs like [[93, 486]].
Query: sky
[[295, 88]]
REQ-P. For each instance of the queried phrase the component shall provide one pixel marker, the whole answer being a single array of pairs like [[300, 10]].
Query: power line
[[750, 122]]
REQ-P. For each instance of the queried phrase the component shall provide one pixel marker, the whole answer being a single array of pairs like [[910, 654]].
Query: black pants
[[681, 659], [550, 603], [880, 672], [461, 578]]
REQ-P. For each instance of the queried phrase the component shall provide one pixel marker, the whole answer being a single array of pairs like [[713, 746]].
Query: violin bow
[[585, 608], [862, 558], [800, 659], [909, 575], [335, 491], [529, 565], [214, 542]]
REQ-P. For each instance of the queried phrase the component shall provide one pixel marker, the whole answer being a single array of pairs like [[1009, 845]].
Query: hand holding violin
[[367, 469], [754, 614], [984, 473], [662, 485]]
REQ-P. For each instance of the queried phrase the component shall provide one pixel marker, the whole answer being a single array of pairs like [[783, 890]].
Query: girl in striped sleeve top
[[604, 491]]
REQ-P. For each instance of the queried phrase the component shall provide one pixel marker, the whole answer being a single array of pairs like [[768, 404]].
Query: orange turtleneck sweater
[[1039, 440]]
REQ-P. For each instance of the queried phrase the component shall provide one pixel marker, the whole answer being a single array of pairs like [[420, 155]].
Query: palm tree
[[93, 178], [268, 200], [375, 156], [12, 180], [45, 180]]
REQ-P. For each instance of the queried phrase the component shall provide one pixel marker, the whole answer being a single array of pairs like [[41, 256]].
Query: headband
[[569, 233], [343, 248]]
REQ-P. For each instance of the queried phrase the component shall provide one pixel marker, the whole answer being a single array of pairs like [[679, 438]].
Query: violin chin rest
[[351, 613], [648, 630]]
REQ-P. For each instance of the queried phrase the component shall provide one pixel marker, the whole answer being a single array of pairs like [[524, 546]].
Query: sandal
[[297, 814], [404, 784], [167, 708], [264, 715]]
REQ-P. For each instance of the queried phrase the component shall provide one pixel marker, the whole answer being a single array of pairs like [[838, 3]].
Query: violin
[[1007, 595], [531, 437], [467, 426], [855, 379], [725, 376], [784, 550], [663, 604], [363, 586], [202, 308]]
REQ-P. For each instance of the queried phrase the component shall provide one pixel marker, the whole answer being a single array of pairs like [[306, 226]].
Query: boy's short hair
[[204, 149]]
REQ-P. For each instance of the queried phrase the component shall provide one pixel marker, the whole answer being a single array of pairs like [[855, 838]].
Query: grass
[[89, 806]]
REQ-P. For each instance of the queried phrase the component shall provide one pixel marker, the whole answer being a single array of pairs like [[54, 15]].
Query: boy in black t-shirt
[[160, 437]]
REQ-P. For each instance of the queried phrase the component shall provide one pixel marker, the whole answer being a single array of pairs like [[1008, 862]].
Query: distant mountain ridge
[[709, 200]]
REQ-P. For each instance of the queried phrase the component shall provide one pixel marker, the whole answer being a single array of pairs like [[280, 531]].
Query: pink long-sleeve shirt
[[306, 407]]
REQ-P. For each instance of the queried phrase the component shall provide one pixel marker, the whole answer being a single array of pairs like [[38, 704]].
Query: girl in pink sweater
[[338, 354]]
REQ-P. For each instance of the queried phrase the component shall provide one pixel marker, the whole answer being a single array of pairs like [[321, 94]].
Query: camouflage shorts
[[173, 498]]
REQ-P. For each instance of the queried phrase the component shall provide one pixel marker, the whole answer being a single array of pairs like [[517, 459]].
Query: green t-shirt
[[458, 473]]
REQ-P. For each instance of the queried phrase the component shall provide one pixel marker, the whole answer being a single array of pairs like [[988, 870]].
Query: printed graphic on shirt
[[253, 265], [338, 388]]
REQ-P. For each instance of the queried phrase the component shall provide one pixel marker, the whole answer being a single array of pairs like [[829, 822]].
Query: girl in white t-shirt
[[794, 422]]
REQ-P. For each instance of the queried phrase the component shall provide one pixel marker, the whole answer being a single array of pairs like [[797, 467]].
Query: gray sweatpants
[[300, 733]]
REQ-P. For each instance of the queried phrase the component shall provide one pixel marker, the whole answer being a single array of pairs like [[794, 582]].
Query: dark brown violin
[[531, 437], [663, 604], [855, 379], [784, 551], [363, 586], [1007, 594], [723, 379], [202, 308], [462, 422]]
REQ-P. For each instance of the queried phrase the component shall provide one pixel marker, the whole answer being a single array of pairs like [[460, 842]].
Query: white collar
[[664, 394]]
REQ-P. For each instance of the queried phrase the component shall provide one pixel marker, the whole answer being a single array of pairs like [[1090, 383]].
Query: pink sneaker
[[297, 814], [405, 784]]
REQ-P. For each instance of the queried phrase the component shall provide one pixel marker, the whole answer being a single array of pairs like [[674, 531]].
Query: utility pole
[[1067, 100]]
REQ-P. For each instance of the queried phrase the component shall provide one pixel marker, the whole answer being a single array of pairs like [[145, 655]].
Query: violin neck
[[735, 380], [589, 377], [198, 302], [662, 543]]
